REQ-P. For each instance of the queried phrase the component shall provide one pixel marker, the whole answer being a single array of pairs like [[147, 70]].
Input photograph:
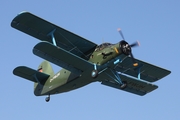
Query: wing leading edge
[[43, 30]]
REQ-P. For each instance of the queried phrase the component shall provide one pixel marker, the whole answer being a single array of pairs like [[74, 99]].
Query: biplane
[[82, 61]]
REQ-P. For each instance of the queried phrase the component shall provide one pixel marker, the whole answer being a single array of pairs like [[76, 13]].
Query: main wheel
[[94, 73], [123, 85]]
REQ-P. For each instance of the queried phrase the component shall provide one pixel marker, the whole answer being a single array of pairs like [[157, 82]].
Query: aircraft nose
[[125, 47]]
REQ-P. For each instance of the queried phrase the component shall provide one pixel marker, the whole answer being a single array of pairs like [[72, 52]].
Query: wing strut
[[52, 37], [116, 76], [139, 71], [54, 41]]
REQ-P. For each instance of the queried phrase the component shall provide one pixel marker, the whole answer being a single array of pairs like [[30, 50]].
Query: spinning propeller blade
[[120, 32], [137, 43]]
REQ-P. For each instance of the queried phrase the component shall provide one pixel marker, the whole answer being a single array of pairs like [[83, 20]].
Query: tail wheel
[[47, 98], [94, 73]]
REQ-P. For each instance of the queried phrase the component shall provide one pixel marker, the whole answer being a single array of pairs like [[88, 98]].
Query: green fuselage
[[65, 80]]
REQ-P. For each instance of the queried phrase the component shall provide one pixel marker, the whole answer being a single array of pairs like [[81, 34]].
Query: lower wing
[[134, 85]]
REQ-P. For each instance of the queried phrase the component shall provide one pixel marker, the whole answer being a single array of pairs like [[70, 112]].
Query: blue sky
[[154, 23]]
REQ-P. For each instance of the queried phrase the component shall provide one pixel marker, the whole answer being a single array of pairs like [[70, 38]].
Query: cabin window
[[102, 46]]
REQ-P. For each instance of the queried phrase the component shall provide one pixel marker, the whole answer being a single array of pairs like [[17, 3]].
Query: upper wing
[[146, 71], [42, 29]]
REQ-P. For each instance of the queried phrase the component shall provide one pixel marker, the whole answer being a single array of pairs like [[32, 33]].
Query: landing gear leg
[[116, 77], [47, 98]]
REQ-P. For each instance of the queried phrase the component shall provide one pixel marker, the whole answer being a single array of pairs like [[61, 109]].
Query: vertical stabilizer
[[46, 68]]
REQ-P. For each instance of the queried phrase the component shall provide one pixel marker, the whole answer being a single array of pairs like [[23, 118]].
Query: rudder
[[44, 67]]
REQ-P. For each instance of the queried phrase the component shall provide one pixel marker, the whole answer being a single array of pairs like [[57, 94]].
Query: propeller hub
[[125, 47]]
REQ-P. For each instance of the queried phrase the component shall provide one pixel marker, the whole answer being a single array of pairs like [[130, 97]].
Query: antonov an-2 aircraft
[[83, 61]]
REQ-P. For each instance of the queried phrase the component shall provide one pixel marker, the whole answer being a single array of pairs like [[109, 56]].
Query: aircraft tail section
[[39, 77]]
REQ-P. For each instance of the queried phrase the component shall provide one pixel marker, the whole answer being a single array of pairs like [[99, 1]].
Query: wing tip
[[14, 21], [16, 70], [22, 12]]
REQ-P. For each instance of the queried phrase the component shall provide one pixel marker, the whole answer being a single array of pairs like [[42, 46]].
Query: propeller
[[126, 48], [135, 44]]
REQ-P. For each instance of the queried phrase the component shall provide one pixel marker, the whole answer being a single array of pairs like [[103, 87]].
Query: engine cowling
[[125, 47]]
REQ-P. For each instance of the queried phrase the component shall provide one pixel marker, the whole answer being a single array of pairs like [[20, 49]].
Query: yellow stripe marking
[[116, 50]]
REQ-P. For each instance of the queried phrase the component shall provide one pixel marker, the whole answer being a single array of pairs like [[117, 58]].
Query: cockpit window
[[102, 46]]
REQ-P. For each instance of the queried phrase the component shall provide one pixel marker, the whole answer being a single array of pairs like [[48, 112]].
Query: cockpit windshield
[[102, 46]]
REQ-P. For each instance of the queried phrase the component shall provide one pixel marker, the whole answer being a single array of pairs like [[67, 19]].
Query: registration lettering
[[54, 77]]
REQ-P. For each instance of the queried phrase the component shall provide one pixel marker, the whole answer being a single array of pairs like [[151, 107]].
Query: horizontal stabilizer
[[30, 74], [61, 57], [136, 86]]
